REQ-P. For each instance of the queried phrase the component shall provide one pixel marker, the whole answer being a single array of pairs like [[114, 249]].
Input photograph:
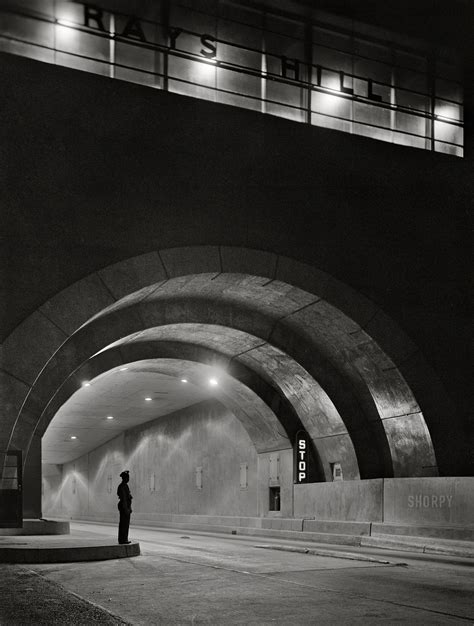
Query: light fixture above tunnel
[[213, 382], [110, 417], [66, 23], [148, 399], [73, 437]]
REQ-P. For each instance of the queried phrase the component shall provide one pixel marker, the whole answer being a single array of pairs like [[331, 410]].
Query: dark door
[[11, 498]]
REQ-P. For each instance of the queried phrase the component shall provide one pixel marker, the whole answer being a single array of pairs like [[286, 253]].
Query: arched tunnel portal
[[291, 361]]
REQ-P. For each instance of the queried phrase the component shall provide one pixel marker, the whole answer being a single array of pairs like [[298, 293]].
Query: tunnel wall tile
[[248, 261], [73, 306], [191, 260], [311, 403], [128, 276], [31, 344], [410, 444], [338, 449], [27, 422], [351, 302], [390, 337]]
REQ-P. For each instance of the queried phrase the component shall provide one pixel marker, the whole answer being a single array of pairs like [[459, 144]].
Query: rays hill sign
[[134, 29]]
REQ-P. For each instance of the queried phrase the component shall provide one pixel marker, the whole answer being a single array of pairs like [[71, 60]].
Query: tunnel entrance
[[306, 363]]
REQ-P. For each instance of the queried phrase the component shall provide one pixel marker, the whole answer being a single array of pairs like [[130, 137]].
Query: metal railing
[[304, 87]]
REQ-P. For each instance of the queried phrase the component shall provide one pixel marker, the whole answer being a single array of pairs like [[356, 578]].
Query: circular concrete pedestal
[[64, 550]]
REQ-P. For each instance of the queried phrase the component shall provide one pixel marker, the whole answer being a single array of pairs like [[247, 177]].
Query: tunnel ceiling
[[121, 394]]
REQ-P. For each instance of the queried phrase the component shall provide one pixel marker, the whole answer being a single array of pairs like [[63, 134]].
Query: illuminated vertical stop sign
[[304, 460]]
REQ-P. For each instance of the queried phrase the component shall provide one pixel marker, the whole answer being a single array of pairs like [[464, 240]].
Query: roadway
[[183, 577]]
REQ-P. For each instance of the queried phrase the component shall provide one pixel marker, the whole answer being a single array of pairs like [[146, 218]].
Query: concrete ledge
[[351, 556], [455, 533], [420, 544], [330, 538], [38, 527], [329, 526], [68, 552], [253, 531], [178, 520], [282, 523]]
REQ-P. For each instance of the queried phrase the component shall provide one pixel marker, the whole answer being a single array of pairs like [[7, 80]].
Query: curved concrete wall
[[379, 411], [162, 457]]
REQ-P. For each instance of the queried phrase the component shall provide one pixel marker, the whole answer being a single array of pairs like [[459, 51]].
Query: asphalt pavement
[[183, 577]]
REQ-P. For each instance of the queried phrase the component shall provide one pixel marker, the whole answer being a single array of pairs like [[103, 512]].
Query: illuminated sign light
[[302, 462], [302, 457], [133, 29], [94, 18]]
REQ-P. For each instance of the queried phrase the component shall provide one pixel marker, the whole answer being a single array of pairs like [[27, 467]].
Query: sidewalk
[[28, 598]]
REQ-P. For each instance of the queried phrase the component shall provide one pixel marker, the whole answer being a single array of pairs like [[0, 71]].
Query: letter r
[[93, 14]]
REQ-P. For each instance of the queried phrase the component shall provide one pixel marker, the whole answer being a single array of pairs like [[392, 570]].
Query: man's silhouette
[[124, 507]]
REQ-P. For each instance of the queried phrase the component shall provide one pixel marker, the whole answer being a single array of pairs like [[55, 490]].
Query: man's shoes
[[123, 542]]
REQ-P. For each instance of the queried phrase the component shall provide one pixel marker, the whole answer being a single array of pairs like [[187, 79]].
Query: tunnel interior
[[262, 359]]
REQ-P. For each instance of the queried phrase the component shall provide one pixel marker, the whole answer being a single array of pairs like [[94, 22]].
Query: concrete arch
[[285, 314], [295, 397]]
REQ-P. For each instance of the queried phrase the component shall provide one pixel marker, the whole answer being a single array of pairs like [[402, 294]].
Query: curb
[[67, 554], [417, 544], [331, 553]]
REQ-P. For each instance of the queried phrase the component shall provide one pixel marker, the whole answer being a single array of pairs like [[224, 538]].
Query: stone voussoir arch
[[48, 330], [198, 293], [302, 401]]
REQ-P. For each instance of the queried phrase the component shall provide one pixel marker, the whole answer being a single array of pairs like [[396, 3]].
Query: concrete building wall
[[115, 170]]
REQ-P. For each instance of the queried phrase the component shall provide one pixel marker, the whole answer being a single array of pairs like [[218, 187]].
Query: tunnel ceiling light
[[184, 380], [213, 382], [86, 384], [73, 437], [148, 399], [110, 417]]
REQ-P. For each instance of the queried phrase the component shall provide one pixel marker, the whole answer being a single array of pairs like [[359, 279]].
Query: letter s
[[410, 502], [206, 41]]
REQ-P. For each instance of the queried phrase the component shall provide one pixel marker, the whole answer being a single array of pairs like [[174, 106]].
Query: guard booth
[[11, 497]]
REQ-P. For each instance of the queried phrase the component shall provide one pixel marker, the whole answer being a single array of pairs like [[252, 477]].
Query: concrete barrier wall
[[163, 456], [352, 500], [413, 501], [447, 501]]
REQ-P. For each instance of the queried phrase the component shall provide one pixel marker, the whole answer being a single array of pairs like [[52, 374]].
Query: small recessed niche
[[274, 499]]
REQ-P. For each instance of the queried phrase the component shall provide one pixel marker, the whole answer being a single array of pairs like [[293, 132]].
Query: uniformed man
[[124, 507]]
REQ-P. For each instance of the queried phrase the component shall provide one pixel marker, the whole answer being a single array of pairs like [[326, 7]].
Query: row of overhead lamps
[[109, 417], [213, 382]]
